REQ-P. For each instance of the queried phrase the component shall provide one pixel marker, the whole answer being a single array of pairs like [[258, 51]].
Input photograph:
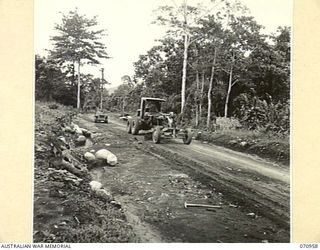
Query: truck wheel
[[129, 128], [135, 127], [187, 137], [156, 135]]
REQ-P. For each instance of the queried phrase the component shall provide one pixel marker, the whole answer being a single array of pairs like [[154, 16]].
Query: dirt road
[[153, 181]]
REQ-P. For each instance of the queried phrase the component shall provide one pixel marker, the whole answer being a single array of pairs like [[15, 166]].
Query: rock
[[107, 144], [77, 129], [68, 129], [104, 194], [89, 157], [116, 204], [81, 138], [86, 132], [92, 151], [233, 142], [61, 138], [95, 185], [243, 143], [80, 141], [106, 155], [63, 223], [265, 241]]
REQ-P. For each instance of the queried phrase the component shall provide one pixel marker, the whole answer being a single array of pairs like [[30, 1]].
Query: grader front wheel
[[187, 137], [156, 135]]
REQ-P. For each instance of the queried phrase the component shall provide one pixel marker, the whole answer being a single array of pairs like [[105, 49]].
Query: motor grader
[[162, 125]]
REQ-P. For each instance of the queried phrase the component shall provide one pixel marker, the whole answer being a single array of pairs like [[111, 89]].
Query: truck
[[101, 116]]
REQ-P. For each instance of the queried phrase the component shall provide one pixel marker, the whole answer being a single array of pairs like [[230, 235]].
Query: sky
[[129, 29]]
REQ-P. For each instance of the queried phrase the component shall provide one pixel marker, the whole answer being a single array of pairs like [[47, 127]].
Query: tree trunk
[[228, 94], [101, 94], [123, 105], [184, 72], [73, 74], [197, 98], [78, 96], [210, 90], [201, 95]]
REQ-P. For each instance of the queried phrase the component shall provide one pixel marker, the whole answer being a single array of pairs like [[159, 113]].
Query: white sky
[[129, 28]]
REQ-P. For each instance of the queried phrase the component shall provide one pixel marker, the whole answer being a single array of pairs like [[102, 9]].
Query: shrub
[[255, 113]]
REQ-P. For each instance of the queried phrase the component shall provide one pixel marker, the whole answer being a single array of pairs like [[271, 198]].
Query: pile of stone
[[101, 157], [68, 168], [56, 132]]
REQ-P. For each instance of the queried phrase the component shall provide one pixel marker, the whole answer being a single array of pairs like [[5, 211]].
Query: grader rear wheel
[[135, 127], [129, 129]]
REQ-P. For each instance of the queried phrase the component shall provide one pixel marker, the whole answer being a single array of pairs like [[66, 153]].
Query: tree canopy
[[78, 42]]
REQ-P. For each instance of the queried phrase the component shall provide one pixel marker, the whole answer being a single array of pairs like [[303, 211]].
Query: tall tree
[[78, 42], [242, 38], [182, 21]]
